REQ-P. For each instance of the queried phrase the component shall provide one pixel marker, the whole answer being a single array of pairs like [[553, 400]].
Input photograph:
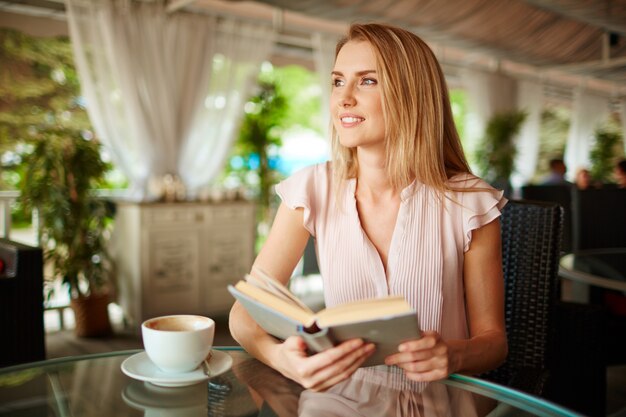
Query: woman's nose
[[347, 98]]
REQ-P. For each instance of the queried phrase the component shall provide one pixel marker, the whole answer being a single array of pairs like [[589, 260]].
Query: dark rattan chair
[[555, 348], [560, 194], [599, 219], [531, 236]]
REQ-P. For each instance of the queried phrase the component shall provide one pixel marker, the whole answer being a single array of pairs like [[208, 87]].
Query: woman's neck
[[372, 178]]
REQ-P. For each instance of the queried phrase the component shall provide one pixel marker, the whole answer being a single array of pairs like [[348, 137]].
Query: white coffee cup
[[178, 343]]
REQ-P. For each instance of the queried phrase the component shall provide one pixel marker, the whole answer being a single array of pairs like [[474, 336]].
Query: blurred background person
[[619, 174], [583, 179], [557, 173]]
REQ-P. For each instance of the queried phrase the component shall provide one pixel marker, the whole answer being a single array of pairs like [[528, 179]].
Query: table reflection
[[379, 391], [95, 386]]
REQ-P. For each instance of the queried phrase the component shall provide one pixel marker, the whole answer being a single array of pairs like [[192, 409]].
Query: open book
[[387, 321]]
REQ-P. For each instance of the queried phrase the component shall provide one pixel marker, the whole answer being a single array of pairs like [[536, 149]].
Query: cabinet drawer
[[173, 216], [232, 213]]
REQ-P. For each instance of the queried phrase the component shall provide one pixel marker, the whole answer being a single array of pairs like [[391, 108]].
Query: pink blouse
[[425, 260]]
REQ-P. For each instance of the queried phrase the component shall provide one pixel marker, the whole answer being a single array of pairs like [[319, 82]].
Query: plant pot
[[92, 315]]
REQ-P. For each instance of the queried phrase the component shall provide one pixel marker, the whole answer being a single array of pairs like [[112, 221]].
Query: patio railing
[[6, 200]]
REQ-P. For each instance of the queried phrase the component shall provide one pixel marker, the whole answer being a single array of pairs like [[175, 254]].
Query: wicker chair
[[555, 348], [560, 194], [531, 236]]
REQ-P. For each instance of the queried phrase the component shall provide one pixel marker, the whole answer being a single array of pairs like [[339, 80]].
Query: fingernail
[[357, 343], [401, 348], [370, 347]]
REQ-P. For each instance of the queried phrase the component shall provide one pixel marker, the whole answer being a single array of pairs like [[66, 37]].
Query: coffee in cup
[[178, 343]]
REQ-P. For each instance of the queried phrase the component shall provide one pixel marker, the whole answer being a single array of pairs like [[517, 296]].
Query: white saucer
[[140, 367], [146, 396]]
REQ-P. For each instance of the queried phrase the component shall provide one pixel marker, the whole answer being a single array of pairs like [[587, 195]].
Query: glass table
[[94, 385], [600, 268]]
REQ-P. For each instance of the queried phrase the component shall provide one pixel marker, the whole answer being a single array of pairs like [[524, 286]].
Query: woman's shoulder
[[308, 180], [473, 194], [320, 170], [466, 181]]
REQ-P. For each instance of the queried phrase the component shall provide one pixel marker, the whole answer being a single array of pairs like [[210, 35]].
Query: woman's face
[[356, 103]]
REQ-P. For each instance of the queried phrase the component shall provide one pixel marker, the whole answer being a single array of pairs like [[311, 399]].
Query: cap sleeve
[[480, 207], [299, 190]]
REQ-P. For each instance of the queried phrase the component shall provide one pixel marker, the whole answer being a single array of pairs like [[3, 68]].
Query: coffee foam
[[178, 324]]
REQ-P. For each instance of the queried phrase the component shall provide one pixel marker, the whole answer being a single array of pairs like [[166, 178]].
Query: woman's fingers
[[343, 368], [424, 359], [333, 364]]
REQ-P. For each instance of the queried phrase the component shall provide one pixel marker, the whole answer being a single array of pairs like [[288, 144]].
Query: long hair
[[421, 139]]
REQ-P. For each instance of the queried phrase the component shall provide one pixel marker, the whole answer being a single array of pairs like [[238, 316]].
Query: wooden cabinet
[[178, 258]]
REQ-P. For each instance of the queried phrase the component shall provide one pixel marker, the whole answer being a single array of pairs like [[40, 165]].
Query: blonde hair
[[421, 141]]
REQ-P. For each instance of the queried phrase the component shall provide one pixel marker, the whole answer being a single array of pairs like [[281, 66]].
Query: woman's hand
[[426, 359], [322, 370]]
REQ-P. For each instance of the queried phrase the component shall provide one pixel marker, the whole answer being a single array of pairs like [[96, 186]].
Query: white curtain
[[587, 111], [324, 55], [240, 48], [530, 99], [147, 77], [488, 94]]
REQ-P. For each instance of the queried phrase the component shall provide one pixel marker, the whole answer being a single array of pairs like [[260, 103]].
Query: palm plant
[[603, 153], [497, 152], [60, 175]]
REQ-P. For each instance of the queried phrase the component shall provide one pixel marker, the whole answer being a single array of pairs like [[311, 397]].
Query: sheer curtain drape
[[530, 99], [148, 78], [487, 94], [587, 111], [240, 47]]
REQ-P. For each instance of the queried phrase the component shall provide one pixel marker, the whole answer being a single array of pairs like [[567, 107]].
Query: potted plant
[[603, 153], [497, 151], [59, 178]]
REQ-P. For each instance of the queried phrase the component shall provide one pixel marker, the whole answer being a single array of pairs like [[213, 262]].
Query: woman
[[395, 212]]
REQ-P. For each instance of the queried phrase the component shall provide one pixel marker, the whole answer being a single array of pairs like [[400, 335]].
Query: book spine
[[317, 341]]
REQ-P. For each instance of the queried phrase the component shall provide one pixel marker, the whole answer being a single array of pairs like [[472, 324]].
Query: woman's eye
[[369, 81], [337, 82]]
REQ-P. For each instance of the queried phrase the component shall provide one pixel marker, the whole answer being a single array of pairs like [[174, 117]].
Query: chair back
[[560, 194], [21, 303], [599, 218], [531, 236]]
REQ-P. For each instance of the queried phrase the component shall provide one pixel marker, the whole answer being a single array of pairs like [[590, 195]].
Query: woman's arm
[[430, 358], [484, 297], [278, 258]]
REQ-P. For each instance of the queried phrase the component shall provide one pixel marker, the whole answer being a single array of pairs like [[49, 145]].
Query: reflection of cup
[[178, 343], [190, 401]]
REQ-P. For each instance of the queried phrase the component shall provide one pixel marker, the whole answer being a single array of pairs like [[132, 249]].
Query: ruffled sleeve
[[301, 189], [479, 207]]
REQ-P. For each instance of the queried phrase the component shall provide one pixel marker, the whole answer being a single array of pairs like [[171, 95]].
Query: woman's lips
[[351, 120]]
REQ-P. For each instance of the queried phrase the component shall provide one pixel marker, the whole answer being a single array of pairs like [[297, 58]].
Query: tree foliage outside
[[39, 94], [285, 98], [39, 91]]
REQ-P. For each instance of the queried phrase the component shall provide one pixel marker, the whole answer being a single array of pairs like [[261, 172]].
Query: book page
[[267, 283], [276, 303], [364, 310]]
